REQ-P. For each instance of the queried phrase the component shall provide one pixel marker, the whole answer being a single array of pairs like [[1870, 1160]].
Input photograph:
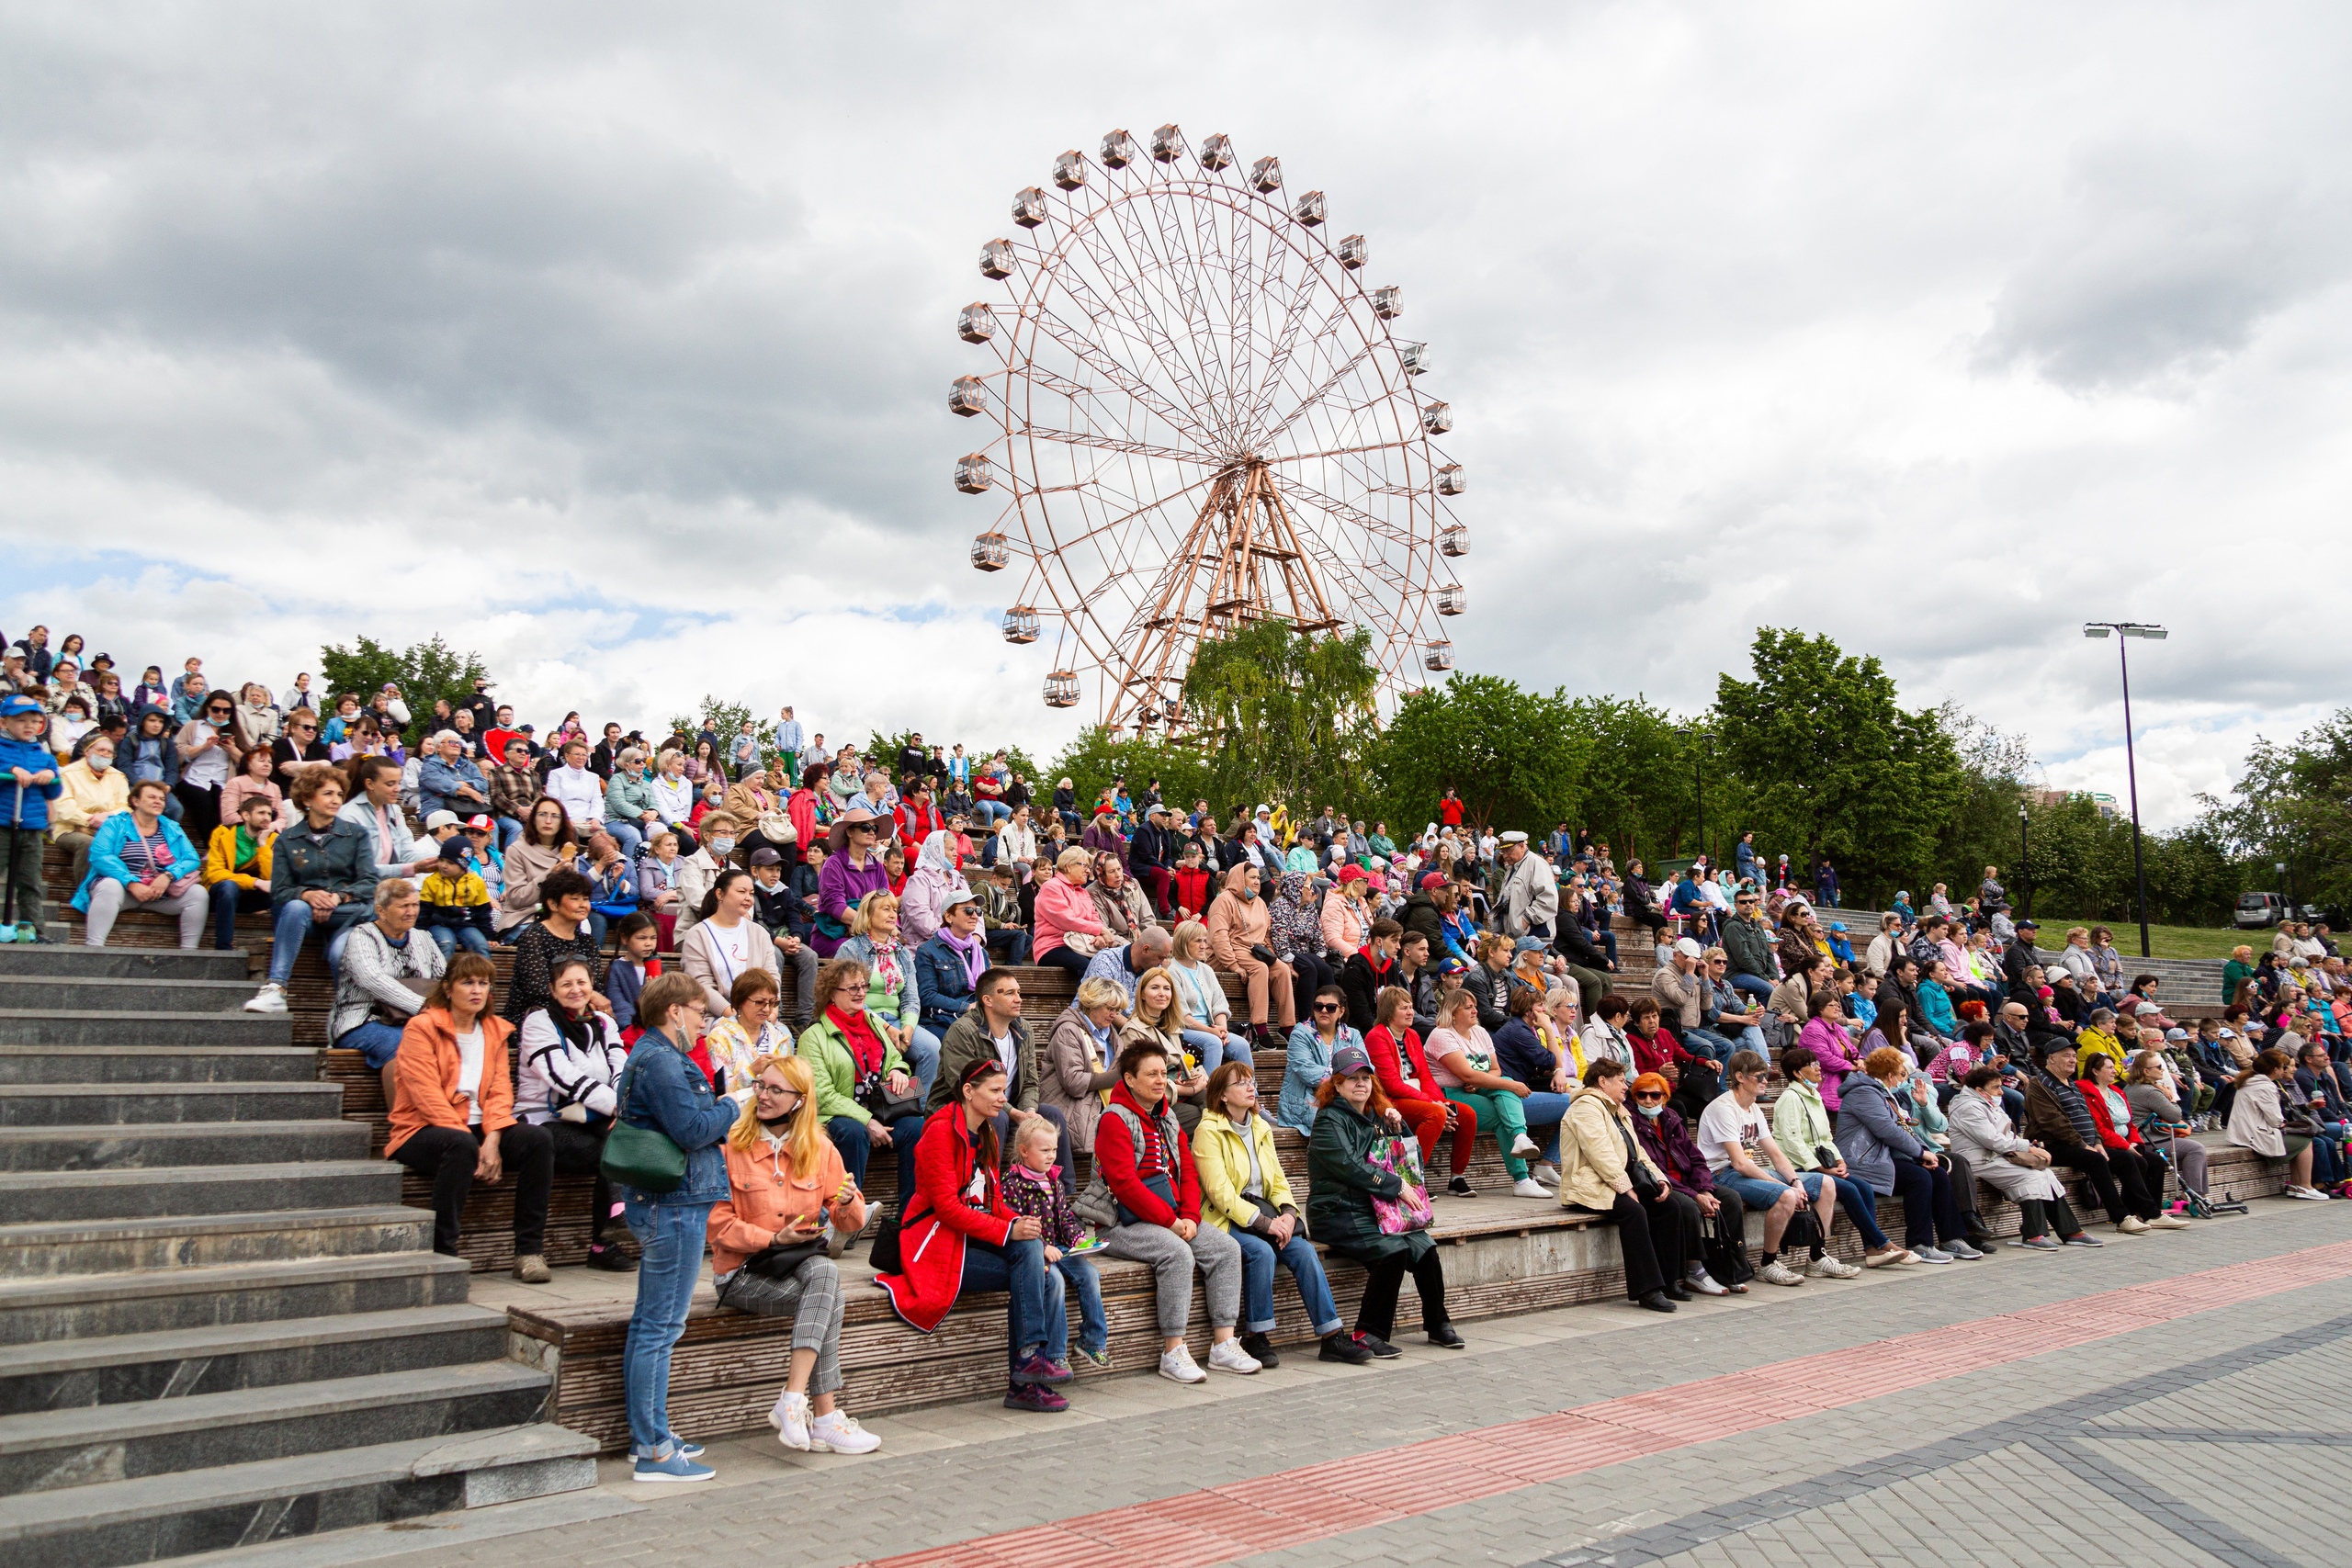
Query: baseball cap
[[764, 856], [478, 823], [965, 896], [1837, 925], [1528, 944], [1688, 948], [1350, 1058], [1433, 880], [442, 820], [2175, 1034], [16, 704]]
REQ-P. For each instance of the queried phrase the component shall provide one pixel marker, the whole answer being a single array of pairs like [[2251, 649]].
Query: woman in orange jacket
[[453, 1113], [790, 1209]]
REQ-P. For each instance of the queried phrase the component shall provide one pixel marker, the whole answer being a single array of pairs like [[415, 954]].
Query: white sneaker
[[2167, 1222], [1528, 1187], [1827, 1267], [2309, 1194], [1178, 1366], [790, 1419], [269, 998], [1524, 1145], [1546, 1174], [835, 1433], [1228, 1355], [1704, 1283], [2131, 1225], [1778, 1273]]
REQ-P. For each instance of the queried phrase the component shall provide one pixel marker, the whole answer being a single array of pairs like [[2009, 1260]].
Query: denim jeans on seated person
[[448, 939], [1707, 1043], [1214, 1051], [294, 922], [1258, 1258], [378, 1044], [1039, 1317], [1543, 1111], [1093, 1327]]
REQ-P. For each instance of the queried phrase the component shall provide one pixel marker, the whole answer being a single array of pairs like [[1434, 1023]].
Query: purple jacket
[[1828, 1043], [838, 886], [1668, 1144]]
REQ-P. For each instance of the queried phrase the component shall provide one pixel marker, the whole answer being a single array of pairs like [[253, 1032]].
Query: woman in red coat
[[957, 1235], [1403, 1069]]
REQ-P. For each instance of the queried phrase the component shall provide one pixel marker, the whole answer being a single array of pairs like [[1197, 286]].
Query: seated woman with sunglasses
[[957, 1235], [790, 1210], [1244, 1192]]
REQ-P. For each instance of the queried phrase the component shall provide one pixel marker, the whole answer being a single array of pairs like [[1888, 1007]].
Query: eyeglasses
[[1327, 1007]]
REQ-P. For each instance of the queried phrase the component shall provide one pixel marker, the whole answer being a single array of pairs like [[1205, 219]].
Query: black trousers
[[580, 1151], [1378, 1316], [2119, 1176], [199, 811], [445, 1157], [1654, 1239], [1930, 1213], [1309, 975]]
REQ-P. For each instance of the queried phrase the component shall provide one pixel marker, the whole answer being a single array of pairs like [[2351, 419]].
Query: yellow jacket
[[221, 859], [86, 796], [2098, 1042], [1222, 1164], [1593, 1137]]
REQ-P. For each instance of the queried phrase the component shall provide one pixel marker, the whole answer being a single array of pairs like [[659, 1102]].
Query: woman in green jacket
[[1352, 1118], [857, 1067], [1806, 1131], [2237, 973]]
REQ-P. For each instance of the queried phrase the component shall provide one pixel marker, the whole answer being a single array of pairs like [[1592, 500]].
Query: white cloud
[[616, 347]]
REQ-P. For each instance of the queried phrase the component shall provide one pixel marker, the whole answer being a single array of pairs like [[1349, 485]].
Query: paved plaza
[[2185, 1412]]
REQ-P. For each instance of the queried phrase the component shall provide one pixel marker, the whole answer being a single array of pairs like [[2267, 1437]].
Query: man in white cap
[[1529, 898], [1683, 999]]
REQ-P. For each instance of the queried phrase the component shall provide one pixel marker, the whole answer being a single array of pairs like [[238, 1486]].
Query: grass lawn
[[2166, 941]]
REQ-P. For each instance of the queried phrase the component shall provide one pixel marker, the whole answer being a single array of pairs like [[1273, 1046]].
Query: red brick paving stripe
[[1293, 1507]]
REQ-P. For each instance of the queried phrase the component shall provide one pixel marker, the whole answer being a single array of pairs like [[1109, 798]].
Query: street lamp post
[[2124, 631], [1699, 783], [2025, 860]]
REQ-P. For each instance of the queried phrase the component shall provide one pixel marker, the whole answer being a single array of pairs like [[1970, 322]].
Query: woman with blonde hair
[[790, 1209], [1207, 1012], [1079, 1052], [1157, 1015], [1119, 900], [1068, 928]]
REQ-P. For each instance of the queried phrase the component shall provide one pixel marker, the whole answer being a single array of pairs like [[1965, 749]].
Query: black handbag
[[781, 1260], [1724, 1248], [1160, 1187]]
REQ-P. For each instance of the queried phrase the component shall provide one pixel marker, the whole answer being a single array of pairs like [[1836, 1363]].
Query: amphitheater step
[[54, 1449], [118, 995], [201, 1241], [155, 1065], [72, 961], [51, 1025], [35, 1312], [192, 1143], [179, 1363], [116, 1105], [29, 1197], [112, 1523]]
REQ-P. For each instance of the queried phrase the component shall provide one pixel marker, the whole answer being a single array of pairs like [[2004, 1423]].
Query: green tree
[[1639, 791], [1833, 763], [2293, 803], [1513, 755], [426, 673], [1098, 757], [1282, 714]]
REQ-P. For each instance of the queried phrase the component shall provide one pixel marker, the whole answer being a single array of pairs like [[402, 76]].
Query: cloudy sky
[[614, 343]]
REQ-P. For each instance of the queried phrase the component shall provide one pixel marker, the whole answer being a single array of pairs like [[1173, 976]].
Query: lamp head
[[2096, 631]]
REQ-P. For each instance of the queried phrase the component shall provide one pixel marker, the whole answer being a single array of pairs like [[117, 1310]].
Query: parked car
[[2256, 910]]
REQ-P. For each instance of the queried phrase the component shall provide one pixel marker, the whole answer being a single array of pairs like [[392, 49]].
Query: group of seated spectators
[[1464, 981]]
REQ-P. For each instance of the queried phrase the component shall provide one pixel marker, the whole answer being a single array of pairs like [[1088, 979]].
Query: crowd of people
[[1461, 980]]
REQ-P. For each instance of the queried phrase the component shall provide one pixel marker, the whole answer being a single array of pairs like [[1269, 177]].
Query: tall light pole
[[2124, 631], [1697, 737], [2025, 860]]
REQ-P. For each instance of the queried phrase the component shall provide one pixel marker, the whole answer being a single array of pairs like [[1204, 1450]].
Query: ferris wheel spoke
[[1188, 302], [1190, 379], [1109, 368], [1323, 388], [1278, 362], [1308, 495], [1117, 444], [1096, 530], [1402, 442]]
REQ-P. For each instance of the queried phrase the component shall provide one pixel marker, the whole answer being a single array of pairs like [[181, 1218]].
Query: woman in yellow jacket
[[1603, 1171], [790, 1209], [2098, 1039], [1244, 1193], [237, 865]]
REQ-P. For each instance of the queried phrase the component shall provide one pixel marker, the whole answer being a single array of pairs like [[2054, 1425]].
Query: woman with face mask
[[94, 789]]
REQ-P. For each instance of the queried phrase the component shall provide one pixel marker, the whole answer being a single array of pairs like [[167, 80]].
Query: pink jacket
[[1828, 1042], [1343, 928], [1063, 907]]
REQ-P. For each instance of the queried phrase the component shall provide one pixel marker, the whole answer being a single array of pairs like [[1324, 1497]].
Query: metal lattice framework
[[1203, 418]]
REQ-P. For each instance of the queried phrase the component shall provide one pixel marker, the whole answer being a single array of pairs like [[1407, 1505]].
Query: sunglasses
[[1648, 1094], [1327, 1007]]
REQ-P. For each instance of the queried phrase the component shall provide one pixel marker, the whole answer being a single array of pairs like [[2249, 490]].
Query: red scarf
[[858, 1033]]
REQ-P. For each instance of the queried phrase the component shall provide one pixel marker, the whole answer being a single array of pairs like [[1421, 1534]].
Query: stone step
[[179, 1363], [48, 1024], [60, 1449], [198, 1241], [34, 1311], [193, 1142], [130, 1105], [73, 961], [156, 1065], [111, 1523], [30, 1197], [110, 995]]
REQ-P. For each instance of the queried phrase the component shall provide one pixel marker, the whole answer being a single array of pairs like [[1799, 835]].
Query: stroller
[[2201, 1205]]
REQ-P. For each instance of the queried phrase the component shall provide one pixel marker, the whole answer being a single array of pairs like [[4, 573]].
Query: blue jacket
[[664, 1091], [1935, 1008], [1306, 1065], [106, 852], [943, 984], [29, 807], [1519, 1055], [1870, 1134], [162, 760], [436, 781]]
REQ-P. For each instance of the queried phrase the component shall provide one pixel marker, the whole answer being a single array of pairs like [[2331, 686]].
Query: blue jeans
[[1707, 1043], [1545, 1109], [1760, 1193], [988, 813], [1257, 1257], [856, 1148], [1039, 1318], [509, 829], [1861, 1205], [1752, 985], [1009, 944], [448, 939], [1214, 1052], [1093, 1328], [293, 924], [378, 1043], [630, 836], [228, 901], [671, 1237]]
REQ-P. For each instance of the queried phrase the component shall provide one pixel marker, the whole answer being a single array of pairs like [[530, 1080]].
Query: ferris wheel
[[1200, 417]]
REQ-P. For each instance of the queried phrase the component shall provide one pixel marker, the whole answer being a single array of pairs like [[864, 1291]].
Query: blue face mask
[[1651, 1111]]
